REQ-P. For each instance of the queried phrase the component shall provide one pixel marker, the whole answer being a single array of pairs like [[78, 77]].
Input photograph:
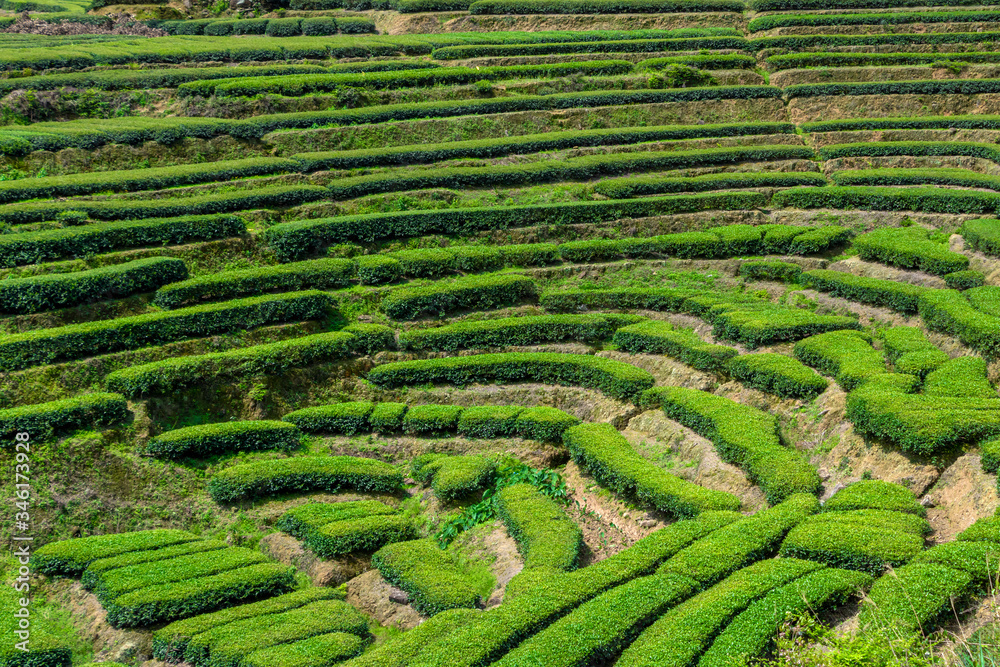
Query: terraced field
[[527, 333]]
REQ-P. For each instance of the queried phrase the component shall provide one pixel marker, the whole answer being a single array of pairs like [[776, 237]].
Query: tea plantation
[[525, 333]]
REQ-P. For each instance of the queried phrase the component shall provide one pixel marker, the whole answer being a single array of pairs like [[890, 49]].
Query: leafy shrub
[[303, 521], [97, 568], [983, 235], [876, 291], [379, 269], [850, 544], [960, 377], [990, 455], [763, 326], [489, 421], [916, 597], [544, 534], [473, 293], [319, 25], [950, 311], [402, 649], [331, 647], [71, 557], [387, 417], [65, 290], [41, 420], [846, 355], [502, 332], [349, 418], [207, 439], [910, 351], [984, 530], [267, 359], [617, 379], [433, 419], [613, 462], [977, 559], [762, 23], [743, 435], [776, 374], [455, 477], [909, 247], [927, 199], [771, 270], [962, 280], [352, 25], [262, 478], [363, 534], [657, 337], [316, 274], [603, 7], [874, 494], [545, 424], [433, 580]]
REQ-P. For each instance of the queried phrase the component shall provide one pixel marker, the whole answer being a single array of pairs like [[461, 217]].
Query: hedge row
[[866, 545], [950, 311], [598, 629], [658, 337], [158, 178], [91, 134], [506, 331], [303, 521], [326, 273], [362, 534], [681, 635], [977, 559], [956, 177], [743, 435], [453, 477], [917, 148], [916, 598], [66, 290], [762, 23], [531, 143], [134, 209], [608, 456], [624, 188], [885, 407], [771, 270], [229, 645], [569, 169], [962, 377], [928, 199], [44, 346], [262, 478], [41, 420], [431, 419], [771, 324], [545, 536], [603, 7], [892, 294], [71, 557], [499, 630], [98, 568], [617, 46], [281, 27], [470, 293], [71, 242], [984, 122], [752, 633], [208, 439], [294, 240], [982, 235], [168, 602], [983, 530], [846, 355], [170, 642], [910, 352], [929, 87], [614, 378], [777, 374], [295, 85], [401, 649], [539, 423], [113, 584], [837, 59], [433, 580], [268, 359], [332, 646]]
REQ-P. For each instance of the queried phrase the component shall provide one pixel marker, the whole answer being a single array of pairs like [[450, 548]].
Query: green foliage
[[378, 269], [316, 274], [326, 649], [865, 545], [990, 455], [41, 420], [263, 478], [271, 358], [838, 59], [502, 332], [962, 280], [767, 324], [909, 247], [984, 530], [980, 560], [544, 423], [363, 534], [876, 291], [92, 575], [471, 293], [402, 649], [771, 270], [958, 177], [776, 374], [960, 377], [387, 417], [545, 536], [910, 351], [34, 247], [432, 419], [951, 312], [658, 337], [43, 346], [224, 437], [348, 418], [982, 235], [846, 355], [762, 23], [925, 199], [609, 457], [922, 87], [66, 290], [433, 580], [916, 597], [614, 378], [71, 557], [743, 435], [489, 421], [874, 494], [611, 7]]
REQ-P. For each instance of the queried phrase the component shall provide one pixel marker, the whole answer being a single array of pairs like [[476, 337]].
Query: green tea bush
[[502, 332], [363, 534], [657, 337], [963, 280], [470, 293], [793, 61], [773, 324], [776, 374], [983, 530], [224, 437], [907, 39], [876, 291], [456, 477], [267, 359], [771, 270], [949, 311], [36, 247], [544, 534], [928, 199], [761, 23], [387, 417], [903, 123], [958, 177], [316, 274], [263, 478], [98, 568], [990, 455], [543, 423], [914, 598], [982, 235], [432, 419], [603, 7], [433, 580], [853, 545], [614, 378], [332, 647], [743, 435], [910, 351], [302, 521], [41, 420], [404, 648], [489, 421], [874, 494], [977, 559], [960, 377], [71, 557], [609, 457], [846, 355], [348, 418]]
